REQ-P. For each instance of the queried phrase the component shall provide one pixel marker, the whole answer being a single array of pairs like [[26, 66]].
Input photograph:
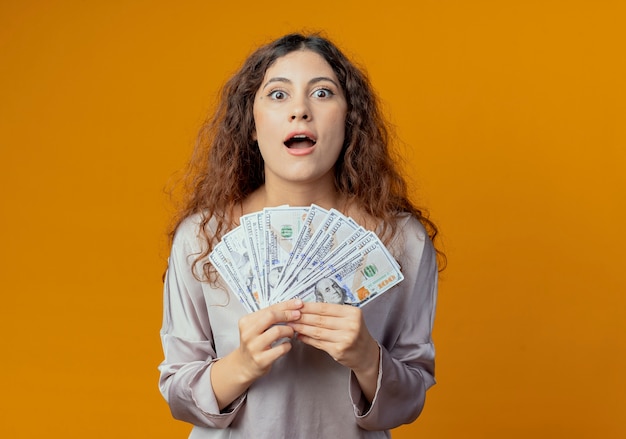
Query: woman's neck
[[302, 195], [273, 195]]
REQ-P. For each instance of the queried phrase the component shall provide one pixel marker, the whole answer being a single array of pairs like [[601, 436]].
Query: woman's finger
[[257, 322], [326, 309]]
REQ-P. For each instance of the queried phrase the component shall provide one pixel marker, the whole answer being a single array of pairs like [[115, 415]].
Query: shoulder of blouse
[[189, 228], [408, 223]]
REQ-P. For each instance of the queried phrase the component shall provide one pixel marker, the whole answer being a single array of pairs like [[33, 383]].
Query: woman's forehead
[[298, 62]]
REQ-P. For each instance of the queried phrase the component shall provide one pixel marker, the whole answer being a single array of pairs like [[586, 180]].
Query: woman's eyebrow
[[312, 81], [324, 78], [277, 79]]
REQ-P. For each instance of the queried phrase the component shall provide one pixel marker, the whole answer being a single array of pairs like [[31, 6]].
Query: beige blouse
[[306, 394]]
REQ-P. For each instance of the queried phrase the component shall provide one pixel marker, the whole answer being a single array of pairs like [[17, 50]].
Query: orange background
[[513, 114]]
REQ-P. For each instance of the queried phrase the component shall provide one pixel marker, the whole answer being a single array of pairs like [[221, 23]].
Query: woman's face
[[299, 114]]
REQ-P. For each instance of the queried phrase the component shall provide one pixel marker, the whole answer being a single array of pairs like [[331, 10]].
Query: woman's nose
[[300, 110]]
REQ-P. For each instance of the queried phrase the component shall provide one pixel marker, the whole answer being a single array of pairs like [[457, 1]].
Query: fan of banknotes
[[309, 252]]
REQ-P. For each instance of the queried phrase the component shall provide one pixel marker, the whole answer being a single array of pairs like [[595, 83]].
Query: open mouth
[[299, 141]]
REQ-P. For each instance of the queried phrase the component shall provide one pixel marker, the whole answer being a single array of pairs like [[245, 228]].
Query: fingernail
[[295, 314], [298, 301]]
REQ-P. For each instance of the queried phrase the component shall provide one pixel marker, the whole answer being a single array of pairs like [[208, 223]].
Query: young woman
[[298, 124]]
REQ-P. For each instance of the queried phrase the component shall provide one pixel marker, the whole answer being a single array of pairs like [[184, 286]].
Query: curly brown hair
[[227, 166]]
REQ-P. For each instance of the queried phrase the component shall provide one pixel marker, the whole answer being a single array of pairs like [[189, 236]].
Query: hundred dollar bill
[[282, 227], [340, 233], [251, 225], [318, 255], [238, 251], [314, 218], [354, 280], [309, 248], [356, 242], [226, 269]]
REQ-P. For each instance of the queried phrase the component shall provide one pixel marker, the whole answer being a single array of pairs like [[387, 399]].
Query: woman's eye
[[278, 94], [322, 93]]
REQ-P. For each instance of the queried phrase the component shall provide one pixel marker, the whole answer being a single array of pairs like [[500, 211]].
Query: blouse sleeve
[[406, 368], [187, 339]]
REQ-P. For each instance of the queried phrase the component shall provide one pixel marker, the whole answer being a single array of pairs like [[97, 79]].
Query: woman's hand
[[259, 332], [257, 351], [340, 331]]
